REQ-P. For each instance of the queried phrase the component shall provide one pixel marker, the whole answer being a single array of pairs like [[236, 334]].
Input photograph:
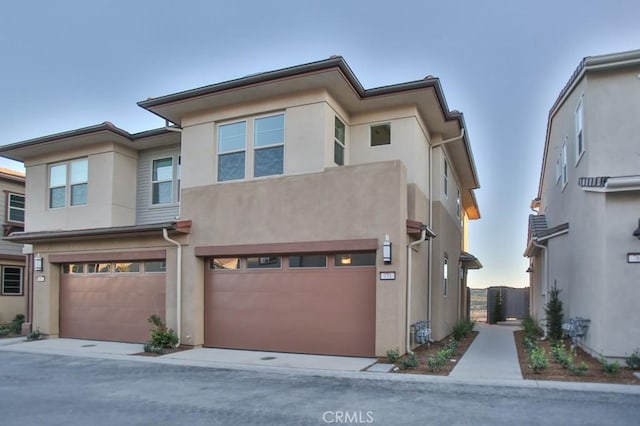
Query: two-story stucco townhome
[[584, 238], [291, 210], [12, 291]]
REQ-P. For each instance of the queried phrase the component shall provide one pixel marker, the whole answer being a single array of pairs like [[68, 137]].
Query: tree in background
[[555, 316], [498, 309]]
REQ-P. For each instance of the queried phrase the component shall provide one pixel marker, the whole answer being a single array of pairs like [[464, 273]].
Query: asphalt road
[[40, 389]]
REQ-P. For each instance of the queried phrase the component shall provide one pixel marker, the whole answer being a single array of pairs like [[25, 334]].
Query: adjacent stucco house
[[274, 212], [12, 204], [583, 238]]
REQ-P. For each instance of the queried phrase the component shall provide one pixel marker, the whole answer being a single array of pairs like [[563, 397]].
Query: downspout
[[165, 235], [429, 275], [410, 246], [545, 266]]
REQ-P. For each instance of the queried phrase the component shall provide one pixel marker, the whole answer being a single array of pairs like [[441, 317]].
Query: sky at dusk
[[72, 64]]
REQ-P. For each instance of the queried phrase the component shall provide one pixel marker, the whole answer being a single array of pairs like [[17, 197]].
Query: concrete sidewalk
[[491, 356]]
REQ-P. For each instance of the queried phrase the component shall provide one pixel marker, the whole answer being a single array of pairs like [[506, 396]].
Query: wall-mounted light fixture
[[37, 263], [529, 270], [386, 250], [636, 233]]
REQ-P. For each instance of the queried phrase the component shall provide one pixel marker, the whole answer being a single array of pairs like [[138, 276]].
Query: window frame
[[445, 276], [69, 183], [9, 208], [564, 167], [446, 179], [256, 149], [339, 145], [176, 172], [579, 130], [372, 127], [2, 278]]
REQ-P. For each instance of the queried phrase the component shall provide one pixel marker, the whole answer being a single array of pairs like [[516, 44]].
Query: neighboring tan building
[[261, 219], [12, 273], [584, 238]]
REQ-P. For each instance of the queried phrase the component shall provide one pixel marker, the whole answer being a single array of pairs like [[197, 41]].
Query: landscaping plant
[[531, 327], [555, 316], [16, 324], [409, 361], [611, 368], [538, 360], [393, 355], [462, 329], [633, 361], [498, 309], [34, 335], [162, 337]]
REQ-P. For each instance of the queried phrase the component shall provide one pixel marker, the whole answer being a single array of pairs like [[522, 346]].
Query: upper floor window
[[15, 208], [565, 178], [339, 143], [579, 131], [68, 183], [267, 148], [458, 203], [445, 276], [446, 179], [381, 135], [163, 176]]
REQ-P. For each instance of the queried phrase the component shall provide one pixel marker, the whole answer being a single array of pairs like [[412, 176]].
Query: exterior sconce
[[386, 250], [37, 263], [636, 233], [529, 270]]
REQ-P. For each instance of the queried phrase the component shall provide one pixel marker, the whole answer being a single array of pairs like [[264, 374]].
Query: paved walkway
[[491, 356]]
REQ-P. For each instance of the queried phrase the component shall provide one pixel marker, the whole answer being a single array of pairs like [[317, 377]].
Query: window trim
[[176, 175], [446, 179], [8, 220], [337, 141], [371, 127], [563, 165], [445, 276], [2, 277], [68, 184], [255, 148], [579, 130]]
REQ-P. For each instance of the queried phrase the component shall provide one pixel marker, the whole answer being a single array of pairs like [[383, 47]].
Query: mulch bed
[[555, 371], [424, 351], [166, 351]]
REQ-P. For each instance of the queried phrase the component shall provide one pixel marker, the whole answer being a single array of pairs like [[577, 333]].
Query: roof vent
[[429, 77]]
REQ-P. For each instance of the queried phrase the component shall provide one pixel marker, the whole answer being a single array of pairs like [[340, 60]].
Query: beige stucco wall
[[46, 291], [111, 190], [341, 203]]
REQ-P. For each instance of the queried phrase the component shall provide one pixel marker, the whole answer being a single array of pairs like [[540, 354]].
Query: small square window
[[155, 266], [99, 268], [355, 259], [73, 268], [381, 135], [308, 261], [127, 267], [264, 262]]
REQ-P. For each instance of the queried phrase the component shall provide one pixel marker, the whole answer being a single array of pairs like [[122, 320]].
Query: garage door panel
[[324, 311], [112, 307]]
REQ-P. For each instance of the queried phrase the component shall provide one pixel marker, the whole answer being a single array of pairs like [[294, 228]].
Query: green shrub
[[498, 309], [16, 324], [529, 343], [4, 331], [34, 335], [435, 363], [452, 345], [579, 370], [538, 360], [531, 327], [393, 355], [148, 347], [161, 336], [611, 368], [560, 355], [409, 361], [633, 361], [462, 328], [555, 316]]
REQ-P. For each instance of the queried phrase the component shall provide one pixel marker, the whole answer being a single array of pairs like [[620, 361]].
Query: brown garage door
[[300, 304], [111, 301]]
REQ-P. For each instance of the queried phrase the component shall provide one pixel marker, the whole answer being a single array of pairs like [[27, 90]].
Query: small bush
[[611, 368], [531, 327], [409, 361], [16, 324], [34, 335], [498, 309], [529, 343], [579, 370], [4, 331], [393, 355], [633, 361], [148, 347], [435, 363], [161, 336], [452, 345], [462, 328], [555, 316], [560, 355], [538, 360]]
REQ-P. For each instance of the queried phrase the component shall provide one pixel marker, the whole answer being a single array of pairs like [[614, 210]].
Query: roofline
[[588, 64], [28, 237]]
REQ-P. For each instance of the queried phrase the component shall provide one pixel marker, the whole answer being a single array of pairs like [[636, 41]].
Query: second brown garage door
[[306, 304]]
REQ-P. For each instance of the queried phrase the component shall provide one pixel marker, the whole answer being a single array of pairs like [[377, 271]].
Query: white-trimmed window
[[15, 208], [266, 150], [565, 177], [68, 181], [339, 142], [445, 276], [446, 179], [12, 281], [458, 204], [579, 131], [558, 168], [165, 180]]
